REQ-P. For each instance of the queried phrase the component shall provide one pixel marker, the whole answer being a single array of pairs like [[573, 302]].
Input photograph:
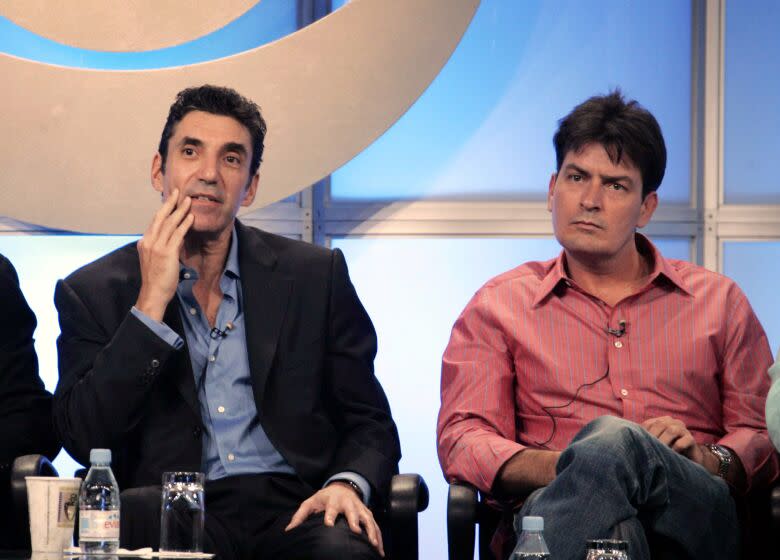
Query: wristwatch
[[724, 456], [351, 484]]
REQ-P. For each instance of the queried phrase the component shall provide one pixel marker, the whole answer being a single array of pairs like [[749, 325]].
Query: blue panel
[[40, 261], [414, 289], [267, 21], [755, 266], [752, 116], [484, 127]]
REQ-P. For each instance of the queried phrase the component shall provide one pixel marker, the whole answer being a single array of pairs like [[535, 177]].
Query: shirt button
[[220, 409], [187, 275], [618, 344], [212, 358], [155, 363], [193, 311], [624, 392], [231, 457]]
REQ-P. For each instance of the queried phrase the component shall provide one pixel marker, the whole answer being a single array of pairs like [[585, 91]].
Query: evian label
[[98, 525]]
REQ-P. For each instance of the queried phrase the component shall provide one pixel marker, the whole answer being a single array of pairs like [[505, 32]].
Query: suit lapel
[[266, 292], [185, 380]]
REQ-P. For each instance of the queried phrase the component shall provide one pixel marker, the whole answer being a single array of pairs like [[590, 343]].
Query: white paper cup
[[53, 502]]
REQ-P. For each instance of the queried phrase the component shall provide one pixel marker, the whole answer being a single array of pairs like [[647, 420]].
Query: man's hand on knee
[[675, 434], [337, 499]]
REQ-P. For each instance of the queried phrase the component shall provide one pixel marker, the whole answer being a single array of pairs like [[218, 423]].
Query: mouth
[[207, 198], [586, 224]]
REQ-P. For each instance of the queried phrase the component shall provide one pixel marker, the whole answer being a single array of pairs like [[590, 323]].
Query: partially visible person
[[613, 391], [773, 404], [25, 405]]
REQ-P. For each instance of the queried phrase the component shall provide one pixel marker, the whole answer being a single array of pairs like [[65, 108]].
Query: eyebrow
[[606, 178], [237, 147], [189, 140]]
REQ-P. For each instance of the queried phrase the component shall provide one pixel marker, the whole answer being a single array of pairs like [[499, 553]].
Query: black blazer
[[25, 406], [311, 348]]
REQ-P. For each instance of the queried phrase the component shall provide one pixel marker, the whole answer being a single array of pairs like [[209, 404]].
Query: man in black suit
[[213, 346], [25, 406]]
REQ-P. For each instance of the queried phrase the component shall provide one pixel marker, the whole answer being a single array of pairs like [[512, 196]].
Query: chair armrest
[[408, 497], [462, 501], [408, 494]]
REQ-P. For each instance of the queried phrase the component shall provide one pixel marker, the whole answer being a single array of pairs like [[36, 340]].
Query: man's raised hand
[[158, 253]]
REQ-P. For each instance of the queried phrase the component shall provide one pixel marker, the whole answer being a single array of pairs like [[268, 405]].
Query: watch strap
[[724, 456], [352, 484]]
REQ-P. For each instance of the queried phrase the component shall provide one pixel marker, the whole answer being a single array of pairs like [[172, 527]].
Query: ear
[[251, 190], [649, 204], [550, 189], [157, 173]]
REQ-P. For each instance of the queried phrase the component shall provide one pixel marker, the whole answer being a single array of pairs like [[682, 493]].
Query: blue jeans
[[615, 480]]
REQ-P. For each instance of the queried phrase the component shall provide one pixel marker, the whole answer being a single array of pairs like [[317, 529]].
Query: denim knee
[[605, 441], [611, 430]]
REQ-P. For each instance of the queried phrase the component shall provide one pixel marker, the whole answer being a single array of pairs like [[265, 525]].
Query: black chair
[[466, 509], [465, 512], [14, 517], [408, 497]]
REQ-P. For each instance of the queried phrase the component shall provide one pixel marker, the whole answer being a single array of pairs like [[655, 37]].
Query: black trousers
[[245, 520]]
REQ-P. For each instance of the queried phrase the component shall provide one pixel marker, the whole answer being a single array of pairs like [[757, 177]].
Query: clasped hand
[[675, 434]]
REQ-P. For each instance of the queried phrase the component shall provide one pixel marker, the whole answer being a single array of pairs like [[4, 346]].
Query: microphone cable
[[547, 409]]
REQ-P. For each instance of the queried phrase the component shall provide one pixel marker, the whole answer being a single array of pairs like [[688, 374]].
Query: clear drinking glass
[[606, 549], [182, 513]]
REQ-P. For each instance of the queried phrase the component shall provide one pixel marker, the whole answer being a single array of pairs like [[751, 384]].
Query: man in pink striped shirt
[[617, 392]]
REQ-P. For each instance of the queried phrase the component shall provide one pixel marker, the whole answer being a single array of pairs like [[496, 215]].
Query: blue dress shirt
[[234, 442]]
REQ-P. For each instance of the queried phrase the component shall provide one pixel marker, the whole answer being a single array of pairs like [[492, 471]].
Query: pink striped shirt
[[693, 349]]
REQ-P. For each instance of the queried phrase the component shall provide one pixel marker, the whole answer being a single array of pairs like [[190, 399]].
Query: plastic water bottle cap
[[533, 523], [101, 456]]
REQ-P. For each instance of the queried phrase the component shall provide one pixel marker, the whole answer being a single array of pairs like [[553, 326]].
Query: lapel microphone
[[216, 333], [620, 331]]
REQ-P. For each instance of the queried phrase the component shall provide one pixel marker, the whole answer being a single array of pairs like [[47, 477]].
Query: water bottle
[[99, 506], [530, 543]]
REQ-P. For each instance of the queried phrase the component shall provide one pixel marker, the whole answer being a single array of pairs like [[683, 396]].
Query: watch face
[[723, 453]]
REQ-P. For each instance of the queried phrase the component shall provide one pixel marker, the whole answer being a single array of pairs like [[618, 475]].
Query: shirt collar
[[556, 273], [661, 266]]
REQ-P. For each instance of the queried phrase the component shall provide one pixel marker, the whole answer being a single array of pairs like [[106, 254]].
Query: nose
[[208, 170], [591, 196]]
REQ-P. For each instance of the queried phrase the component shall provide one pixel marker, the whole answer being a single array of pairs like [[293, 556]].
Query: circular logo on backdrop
[[83, 140], [137, 25]]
